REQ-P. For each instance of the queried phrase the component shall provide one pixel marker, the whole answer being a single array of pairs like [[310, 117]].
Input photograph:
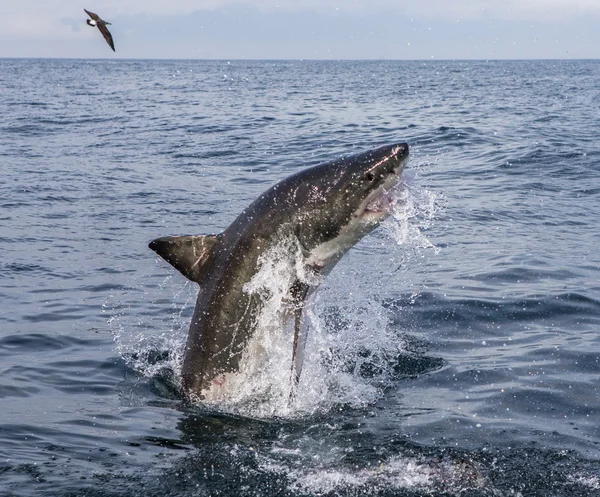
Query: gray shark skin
[[323, 211]]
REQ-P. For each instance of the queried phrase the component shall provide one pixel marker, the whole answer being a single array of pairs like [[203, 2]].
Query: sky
[[304, 29]]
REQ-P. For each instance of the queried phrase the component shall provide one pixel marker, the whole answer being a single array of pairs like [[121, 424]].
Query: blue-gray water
[[478, 366]]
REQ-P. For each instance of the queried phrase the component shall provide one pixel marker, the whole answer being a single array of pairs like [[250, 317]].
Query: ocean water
[[453, 351]]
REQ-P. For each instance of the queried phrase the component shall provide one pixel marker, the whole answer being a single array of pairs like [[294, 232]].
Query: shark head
[[338, 203]]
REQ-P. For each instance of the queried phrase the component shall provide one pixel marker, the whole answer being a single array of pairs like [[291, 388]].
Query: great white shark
[[316, 214]]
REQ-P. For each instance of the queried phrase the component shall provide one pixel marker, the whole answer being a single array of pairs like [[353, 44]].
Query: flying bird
[[95, 21]]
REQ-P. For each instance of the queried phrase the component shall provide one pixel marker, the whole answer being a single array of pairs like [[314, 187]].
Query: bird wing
[[95, 17], [107, 36]]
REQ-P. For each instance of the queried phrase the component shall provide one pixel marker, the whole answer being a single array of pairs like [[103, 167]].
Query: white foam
[[589, 481], [397, 473]]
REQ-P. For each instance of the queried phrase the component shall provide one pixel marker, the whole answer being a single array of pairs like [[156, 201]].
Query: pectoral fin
[[299, 291], [192, 256]]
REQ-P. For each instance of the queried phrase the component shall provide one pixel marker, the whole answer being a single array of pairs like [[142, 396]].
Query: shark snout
[[388, 167], [392, 165], [400, 154]]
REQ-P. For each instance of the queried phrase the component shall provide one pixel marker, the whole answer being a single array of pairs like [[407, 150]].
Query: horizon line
[[432, 59]]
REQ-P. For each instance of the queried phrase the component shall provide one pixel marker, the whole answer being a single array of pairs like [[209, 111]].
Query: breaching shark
[[322, 212]]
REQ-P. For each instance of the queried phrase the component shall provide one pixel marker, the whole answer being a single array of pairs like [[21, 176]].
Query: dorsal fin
[[190, 255]]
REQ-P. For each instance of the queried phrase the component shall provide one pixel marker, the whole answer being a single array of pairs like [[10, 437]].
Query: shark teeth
[[384, 201]]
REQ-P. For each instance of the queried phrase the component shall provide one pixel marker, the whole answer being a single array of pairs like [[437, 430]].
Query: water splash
[[351, 347], [413, 212], [147, 352], [398, 473], [262, 385]]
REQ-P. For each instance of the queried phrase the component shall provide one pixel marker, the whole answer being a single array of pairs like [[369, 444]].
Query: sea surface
[[455, 351]]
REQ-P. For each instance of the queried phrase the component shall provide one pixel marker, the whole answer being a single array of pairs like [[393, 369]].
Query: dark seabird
[[101, 25]]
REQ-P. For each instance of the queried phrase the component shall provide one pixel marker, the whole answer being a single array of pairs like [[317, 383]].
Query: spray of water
[[350, 347], [412, 213], [146, 351], [398, 474]]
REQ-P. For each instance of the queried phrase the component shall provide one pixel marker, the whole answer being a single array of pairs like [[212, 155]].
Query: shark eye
[[369, 176]]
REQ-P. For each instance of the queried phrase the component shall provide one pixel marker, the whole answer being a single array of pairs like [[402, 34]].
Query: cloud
[[504, 10], [498, 9], [36, 27], [435, 9], [305, 29]]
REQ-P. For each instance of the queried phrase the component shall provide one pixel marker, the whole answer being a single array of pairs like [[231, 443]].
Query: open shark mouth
[[381, 204], [384, 201]]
